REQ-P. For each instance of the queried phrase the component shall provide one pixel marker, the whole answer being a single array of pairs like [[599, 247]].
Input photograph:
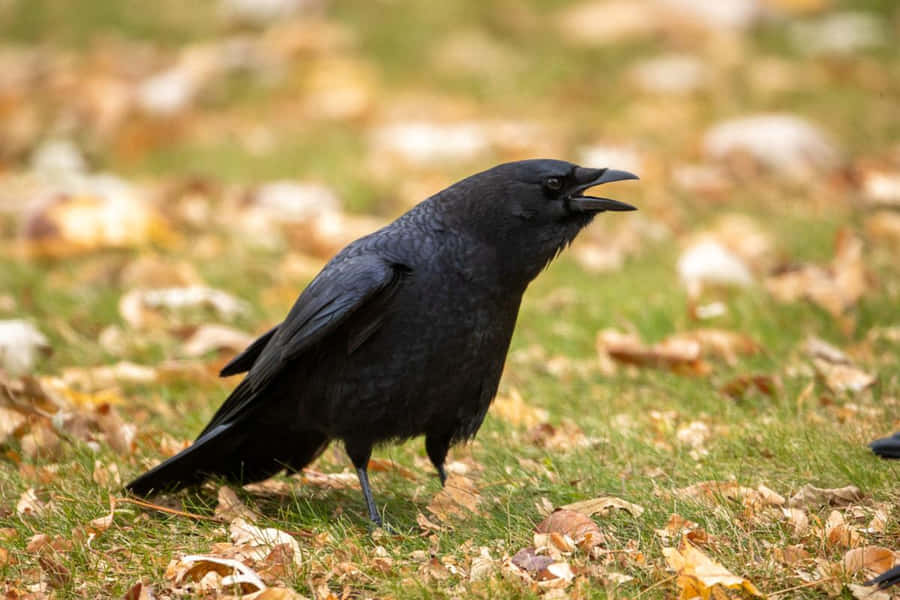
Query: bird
[[888, 447], [403, 333], [886, 579]]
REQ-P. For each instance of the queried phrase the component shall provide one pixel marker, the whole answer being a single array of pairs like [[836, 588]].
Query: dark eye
[[553, 183]]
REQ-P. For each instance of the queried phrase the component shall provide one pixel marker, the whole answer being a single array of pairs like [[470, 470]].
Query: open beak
[[588, 178]]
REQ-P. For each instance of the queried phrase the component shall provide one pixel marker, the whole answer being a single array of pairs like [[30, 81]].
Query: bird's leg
[[437, 446], [359, 454]]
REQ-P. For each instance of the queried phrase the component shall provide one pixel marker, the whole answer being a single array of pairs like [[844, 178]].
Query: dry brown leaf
[[457, 499], [798, 519], [428, 525], [810, 496], [106, 475], [204, 574], [720, 343], [29, 505], [483, 566], [603, 505], [215, 338], [581, 529], [843, 378], [677, 528], [739, 386], [58, 576], [698, 575], [563, 437], [513, 409], [836, 288], [334, 481], [155, 307], [265, 540], [874, 559], [139, 591], [10, 423], [230, 507], [276, 593], [679, 355], [867, 592], [100, 216], [840, 533], [529, 560]]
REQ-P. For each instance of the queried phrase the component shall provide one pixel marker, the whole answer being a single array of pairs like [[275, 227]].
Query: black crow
[[886, 579], [888, 447], [403, 333]]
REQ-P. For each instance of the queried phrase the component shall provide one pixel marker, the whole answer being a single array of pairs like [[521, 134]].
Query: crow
[[403, 333], [886, 579], [888, 447]]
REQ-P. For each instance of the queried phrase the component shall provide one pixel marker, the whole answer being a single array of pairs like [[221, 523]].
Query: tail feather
[[189, 467], [236, 452], [244, 361]]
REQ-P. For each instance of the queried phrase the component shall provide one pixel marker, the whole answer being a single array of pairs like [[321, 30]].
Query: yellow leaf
[[698, 575]]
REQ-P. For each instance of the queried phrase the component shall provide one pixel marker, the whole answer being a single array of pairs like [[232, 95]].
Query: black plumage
[[886, 579], [403, 333], [888, 447]]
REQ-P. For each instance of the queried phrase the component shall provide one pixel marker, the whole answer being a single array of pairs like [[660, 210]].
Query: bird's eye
[[553, 183]]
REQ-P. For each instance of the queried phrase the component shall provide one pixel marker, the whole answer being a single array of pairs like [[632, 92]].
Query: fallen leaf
[[739, 386], [212, 574], [210, 338], [566, 436], [458, 498], [58, 576], [145, 308], [513, 409], [10, 423], [603, 505], [836, 287], [840, 533], [843, 378], [335, 481], [721, 343], [29, 505], [677, 528], [265, 539], [230, 507], [581, 529], [810, 496], [874, 559], [865, 592], [428, 525], [679, 355], [528, 560], [698, 575], [276, 593], [482, 567], [798, 519], [139, 591]]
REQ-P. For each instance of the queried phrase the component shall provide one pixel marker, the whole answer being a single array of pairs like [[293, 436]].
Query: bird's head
[[532, 209]]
